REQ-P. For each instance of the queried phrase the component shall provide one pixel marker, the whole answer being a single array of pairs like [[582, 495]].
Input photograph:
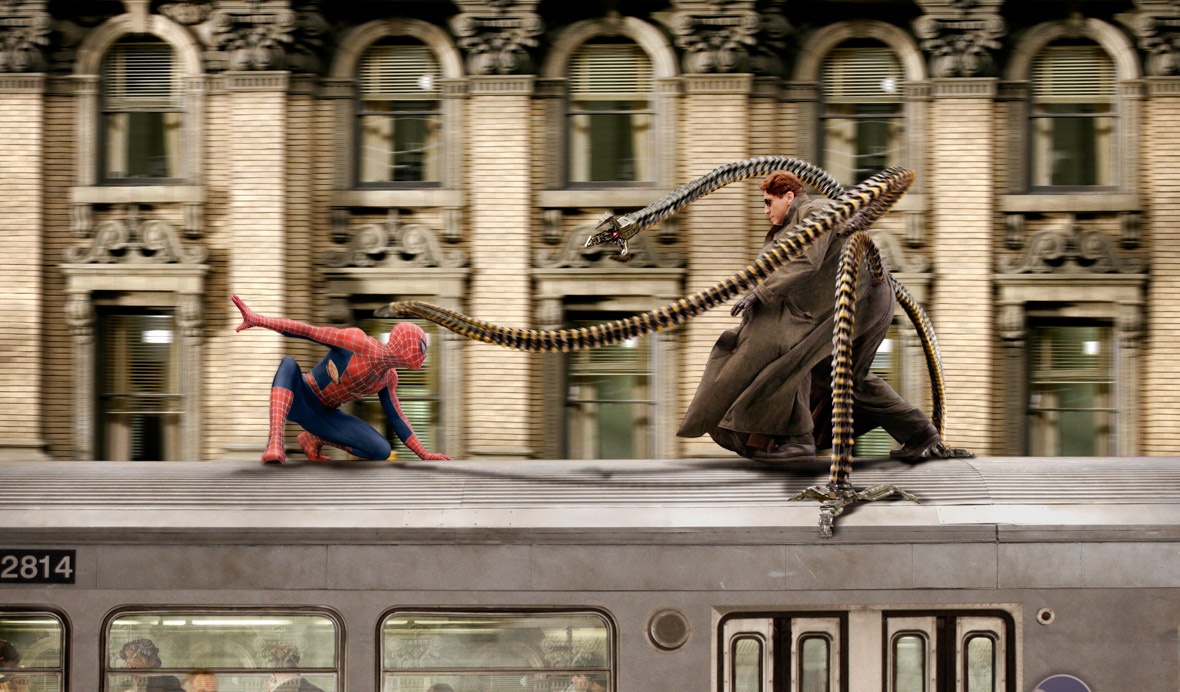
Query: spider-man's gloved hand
[[435, 456], [249, 317], [749, 301]]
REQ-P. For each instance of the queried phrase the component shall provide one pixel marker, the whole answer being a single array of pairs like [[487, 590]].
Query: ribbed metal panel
[[545, 484]]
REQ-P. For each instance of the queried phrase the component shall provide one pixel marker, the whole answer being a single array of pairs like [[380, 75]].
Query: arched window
[[1073, 116], [400, 114], [141, 111], [611, 118], [861, 119]]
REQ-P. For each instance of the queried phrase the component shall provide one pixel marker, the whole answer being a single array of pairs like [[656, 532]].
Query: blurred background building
[[322, 158]]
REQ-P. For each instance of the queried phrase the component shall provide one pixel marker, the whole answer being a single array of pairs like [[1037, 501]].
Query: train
[[588, 575]]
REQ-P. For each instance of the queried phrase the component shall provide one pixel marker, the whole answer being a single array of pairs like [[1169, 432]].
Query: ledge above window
[[137, 194], [612, 198], [398, 198], [1069, 202]]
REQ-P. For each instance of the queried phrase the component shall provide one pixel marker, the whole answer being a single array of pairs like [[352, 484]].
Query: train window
[[909, 663], [980, 665], [31, 646], [230, 651], [747, 664], [473, 652], [815, 664]]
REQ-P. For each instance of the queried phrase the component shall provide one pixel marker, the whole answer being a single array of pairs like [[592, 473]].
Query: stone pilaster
[[22, 137], [963, 113], [189, 322], [1161, 383], [1013, 330], [258, 256], [500, 400], [715, 131], [81, 318]]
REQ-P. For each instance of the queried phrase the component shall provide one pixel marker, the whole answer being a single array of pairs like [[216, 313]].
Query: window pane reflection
[[30, 653], [981, 664], [814, 664], [747, 664], [909, 663]]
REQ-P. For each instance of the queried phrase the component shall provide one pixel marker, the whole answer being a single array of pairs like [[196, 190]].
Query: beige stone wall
[[58, 354], [1161, 382], [220, 315], [499, 400], [962, 305], [21, 130], [715, 131], [259, 259]]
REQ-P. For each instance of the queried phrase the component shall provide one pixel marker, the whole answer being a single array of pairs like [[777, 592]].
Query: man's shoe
[[918, 445], [786, 452]]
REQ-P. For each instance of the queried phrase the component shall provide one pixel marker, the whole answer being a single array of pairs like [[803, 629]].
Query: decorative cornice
[[502, 85], [1163, 86], [800, 91], [24, 33], [257, 81], [132, 240], [1156, 26], [1068, 249], [573, 252], [728, 36], [393, 245], [22, 83], [964, 88], [718, 84], [496, 35], [958, 35]]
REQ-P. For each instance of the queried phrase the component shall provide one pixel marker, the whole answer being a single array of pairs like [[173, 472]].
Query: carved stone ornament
[[1068, 249], [1010, 320], [1156, 25], [268, 35], [133, 240], [187, 12], [719, 36], [574, 254], [958, 35], [24, 33], [393, 244], [894, 257], [496, 35]]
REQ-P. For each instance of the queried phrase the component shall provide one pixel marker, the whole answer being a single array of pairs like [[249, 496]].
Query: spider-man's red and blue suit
[[356, 364]]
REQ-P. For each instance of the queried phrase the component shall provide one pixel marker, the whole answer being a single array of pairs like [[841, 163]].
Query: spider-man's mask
[[407, 344]]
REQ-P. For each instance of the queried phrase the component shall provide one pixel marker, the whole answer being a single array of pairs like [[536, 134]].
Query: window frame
[[1116, 135], [103, 111], [359, 113], [330, 613], [652, 111], [612, 630], [63, 620]]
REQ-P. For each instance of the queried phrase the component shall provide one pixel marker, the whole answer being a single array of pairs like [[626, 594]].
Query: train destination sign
[[37, 566]]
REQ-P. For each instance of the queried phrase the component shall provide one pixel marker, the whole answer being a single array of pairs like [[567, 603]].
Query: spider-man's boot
[[280, 406]]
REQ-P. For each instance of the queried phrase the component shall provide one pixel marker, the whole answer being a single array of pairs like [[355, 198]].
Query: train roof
[[681, 500]]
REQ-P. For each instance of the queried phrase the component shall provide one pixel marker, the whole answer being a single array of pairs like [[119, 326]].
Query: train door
[[869, 649]]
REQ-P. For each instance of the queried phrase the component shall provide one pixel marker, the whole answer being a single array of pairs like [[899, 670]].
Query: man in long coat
[[756, 395]]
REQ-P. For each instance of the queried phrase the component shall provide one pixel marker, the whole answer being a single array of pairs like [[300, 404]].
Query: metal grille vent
[[399, 73], [610, 72], [862, 75], [1073, 74], [141, 76]]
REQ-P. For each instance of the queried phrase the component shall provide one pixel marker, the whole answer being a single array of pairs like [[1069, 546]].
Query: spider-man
[[355, 365]]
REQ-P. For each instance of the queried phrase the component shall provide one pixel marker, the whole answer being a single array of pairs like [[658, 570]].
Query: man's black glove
[[749, 301]]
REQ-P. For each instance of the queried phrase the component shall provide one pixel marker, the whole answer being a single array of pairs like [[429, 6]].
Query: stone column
[[453, 439], [80, 316], [714, 131], [962, 171], [1161, 390], [500, 401], [551, 316], [22, 135], [189, 323], [1013, 330], [258, 256], [1129, 329]]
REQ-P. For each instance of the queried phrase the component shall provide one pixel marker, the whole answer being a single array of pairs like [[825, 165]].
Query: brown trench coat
[[757, 378]]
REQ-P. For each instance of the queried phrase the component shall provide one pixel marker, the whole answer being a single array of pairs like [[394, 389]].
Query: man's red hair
[[779, 183]]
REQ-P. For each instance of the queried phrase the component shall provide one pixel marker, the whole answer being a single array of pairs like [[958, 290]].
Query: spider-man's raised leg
[[282, 395]]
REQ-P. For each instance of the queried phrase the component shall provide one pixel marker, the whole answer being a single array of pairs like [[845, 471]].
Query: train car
[[563, 576]]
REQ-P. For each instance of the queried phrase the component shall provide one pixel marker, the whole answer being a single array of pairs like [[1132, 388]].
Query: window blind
[[399, 73], [862, 75], [141, 76], [1073, 74], [610, 72]]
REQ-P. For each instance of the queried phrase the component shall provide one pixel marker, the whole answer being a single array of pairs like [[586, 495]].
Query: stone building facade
[[321, 159]]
